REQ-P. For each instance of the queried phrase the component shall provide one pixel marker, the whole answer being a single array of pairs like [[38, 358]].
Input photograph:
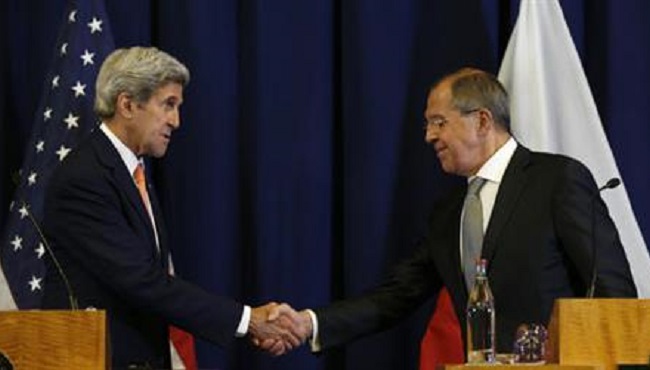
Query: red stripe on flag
[[184, 344], [442, 342]]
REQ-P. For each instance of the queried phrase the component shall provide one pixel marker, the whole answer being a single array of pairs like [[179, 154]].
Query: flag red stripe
[[442, 342], [184, 344]]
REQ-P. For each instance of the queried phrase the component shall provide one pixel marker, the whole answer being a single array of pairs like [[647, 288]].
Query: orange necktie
[[182, 341], [141, 183]]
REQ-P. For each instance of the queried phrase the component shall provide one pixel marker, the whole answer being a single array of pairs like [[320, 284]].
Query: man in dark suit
[[537, 211], [106, 228]]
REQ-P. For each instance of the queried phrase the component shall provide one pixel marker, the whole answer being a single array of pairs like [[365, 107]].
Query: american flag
[[65, 114]]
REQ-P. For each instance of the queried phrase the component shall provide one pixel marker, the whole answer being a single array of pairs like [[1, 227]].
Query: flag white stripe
[[553, 110], [6, 299]]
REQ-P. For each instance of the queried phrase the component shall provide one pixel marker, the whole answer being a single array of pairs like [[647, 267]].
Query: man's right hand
[[278, 328]]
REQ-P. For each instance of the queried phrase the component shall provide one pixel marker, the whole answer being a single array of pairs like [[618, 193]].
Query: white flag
[[6, 299], [553, 110]]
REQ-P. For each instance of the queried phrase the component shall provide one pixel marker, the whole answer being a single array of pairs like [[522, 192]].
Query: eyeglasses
[[436, 122], [440, 121]]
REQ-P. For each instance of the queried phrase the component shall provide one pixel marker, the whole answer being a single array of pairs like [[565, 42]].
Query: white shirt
[[492, 171], [131, 161]]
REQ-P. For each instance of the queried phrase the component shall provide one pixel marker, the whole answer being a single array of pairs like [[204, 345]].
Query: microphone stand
[[611, 184], [71, 298]]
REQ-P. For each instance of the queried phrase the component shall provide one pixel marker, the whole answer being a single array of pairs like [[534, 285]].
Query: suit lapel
[[110, 158], [513, 182], [160, 225]]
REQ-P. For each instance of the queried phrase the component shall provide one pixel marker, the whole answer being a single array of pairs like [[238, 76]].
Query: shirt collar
[[495, 167], [128, 157]]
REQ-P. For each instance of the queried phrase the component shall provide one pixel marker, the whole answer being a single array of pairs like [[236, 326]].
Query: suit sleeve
[[584, 225], [88, 218], [411, 283]]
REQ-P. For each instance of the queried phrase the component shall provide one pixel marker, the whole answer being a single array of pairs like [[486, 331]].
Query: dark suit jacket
[[538, 244], [103, 237]]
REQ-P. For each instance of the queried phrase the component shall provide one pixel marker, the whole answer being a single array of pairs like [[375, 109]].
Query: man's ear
[[485, 121], [125, 105]]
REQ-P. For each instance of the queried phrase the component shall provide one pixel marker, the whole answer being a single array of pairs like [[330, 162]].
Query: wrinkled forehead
[[169, 89]]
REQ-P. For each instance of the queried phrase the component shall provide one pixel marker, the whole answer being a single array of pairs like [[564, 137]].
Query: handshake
[[278, 328]]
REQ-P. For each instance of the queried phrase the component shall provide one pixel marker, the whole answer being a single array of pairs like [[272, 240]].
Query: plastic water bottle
[[481, 319]]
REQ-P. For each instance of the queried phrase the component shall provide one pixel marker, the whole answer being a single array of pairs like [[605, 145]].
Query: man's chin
[[159, 152], [446, 167]]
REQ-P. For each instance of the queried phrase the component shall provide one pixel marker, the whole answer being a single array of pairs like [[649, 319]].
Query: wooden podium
[[516, 367], [54, 339], [600, 332]]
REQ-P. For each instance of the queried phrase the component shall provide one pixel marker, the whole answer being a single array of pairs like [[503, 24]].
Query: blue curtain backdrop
[[300, 172]]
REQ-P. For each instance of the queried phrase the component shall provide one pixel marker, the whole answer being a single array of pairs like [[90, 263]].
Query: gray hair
[[138, 72], [473, 88]]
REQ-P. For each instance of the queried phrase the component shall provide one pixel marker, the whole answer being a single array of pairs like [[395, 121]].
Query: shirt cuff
[[314, 341], [242, 329]]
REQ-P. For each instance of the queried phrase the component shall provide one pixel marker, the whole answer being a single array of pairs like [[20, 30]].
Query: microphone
[[610, 184], [68, 288]]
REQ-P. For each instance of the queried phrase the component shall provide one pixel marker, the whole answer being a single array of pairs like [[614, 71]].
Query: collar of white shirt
[[495, 167], [129, 158]]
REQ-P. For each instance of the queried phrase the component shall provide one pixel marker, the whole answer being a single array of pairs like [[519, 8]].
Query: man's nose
[[175, 119], [430, 134]]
